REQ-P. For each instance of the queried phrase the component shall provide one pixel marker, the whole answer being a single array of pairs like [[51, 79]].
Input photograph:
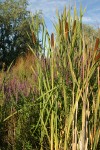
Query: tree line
[[15, 31]]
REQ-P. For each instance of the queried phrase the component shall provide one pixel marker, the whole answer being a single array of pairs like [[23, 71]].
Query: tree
[[14, 26]]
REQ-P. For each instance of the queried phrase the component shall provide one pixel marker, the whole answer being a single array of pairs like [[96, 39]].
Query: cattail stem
[[52, 80]]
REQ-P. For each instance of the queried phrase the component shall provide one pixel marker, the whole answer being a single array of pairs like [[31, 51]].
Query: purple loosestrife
[[15, 88]]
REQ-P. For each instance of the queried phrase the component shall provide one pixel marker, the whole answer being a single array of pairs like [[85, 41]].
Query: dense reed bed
[[51, 100]]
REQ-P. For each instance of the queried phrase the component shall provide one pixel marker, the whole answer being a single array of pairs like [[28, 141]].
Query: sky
[[49, 7]]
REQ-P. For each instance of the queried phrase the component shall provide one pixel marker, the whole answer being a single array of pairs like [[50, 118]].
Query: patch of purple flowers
[[14, 88]]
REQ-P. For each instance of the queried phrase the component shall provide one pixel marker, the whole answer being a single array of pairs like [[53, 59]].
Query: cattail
[[96, 48], [52, 40], [66, 30], [96, 44], [60, 26], [74, 26], [99, 77], [97, 57], [34, 37]]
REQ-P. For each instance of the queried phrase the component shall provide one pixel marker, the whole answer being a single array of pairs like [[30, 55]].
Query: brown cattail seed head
[[96, 44], [97, 57], [60, 26], [74, 26], [96, 48], [52, 40], [66, 30], [34, 37]]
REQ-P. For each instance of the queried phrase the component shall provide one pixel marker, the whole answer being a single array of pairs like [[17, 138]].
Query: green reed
[[67, 88], [65, 107]]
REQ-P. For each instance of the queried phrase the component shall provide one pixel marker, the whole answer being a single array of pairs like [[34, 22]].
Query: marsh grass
[[65, 112]]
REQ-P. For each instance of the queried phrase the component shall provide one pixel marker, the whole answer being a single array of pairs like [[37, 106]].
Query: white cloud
[[87, 19], [48, 7]]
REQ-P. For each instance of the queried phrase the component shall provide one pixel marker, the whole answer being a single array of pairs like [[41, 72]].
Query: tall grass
[[62, 108]]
